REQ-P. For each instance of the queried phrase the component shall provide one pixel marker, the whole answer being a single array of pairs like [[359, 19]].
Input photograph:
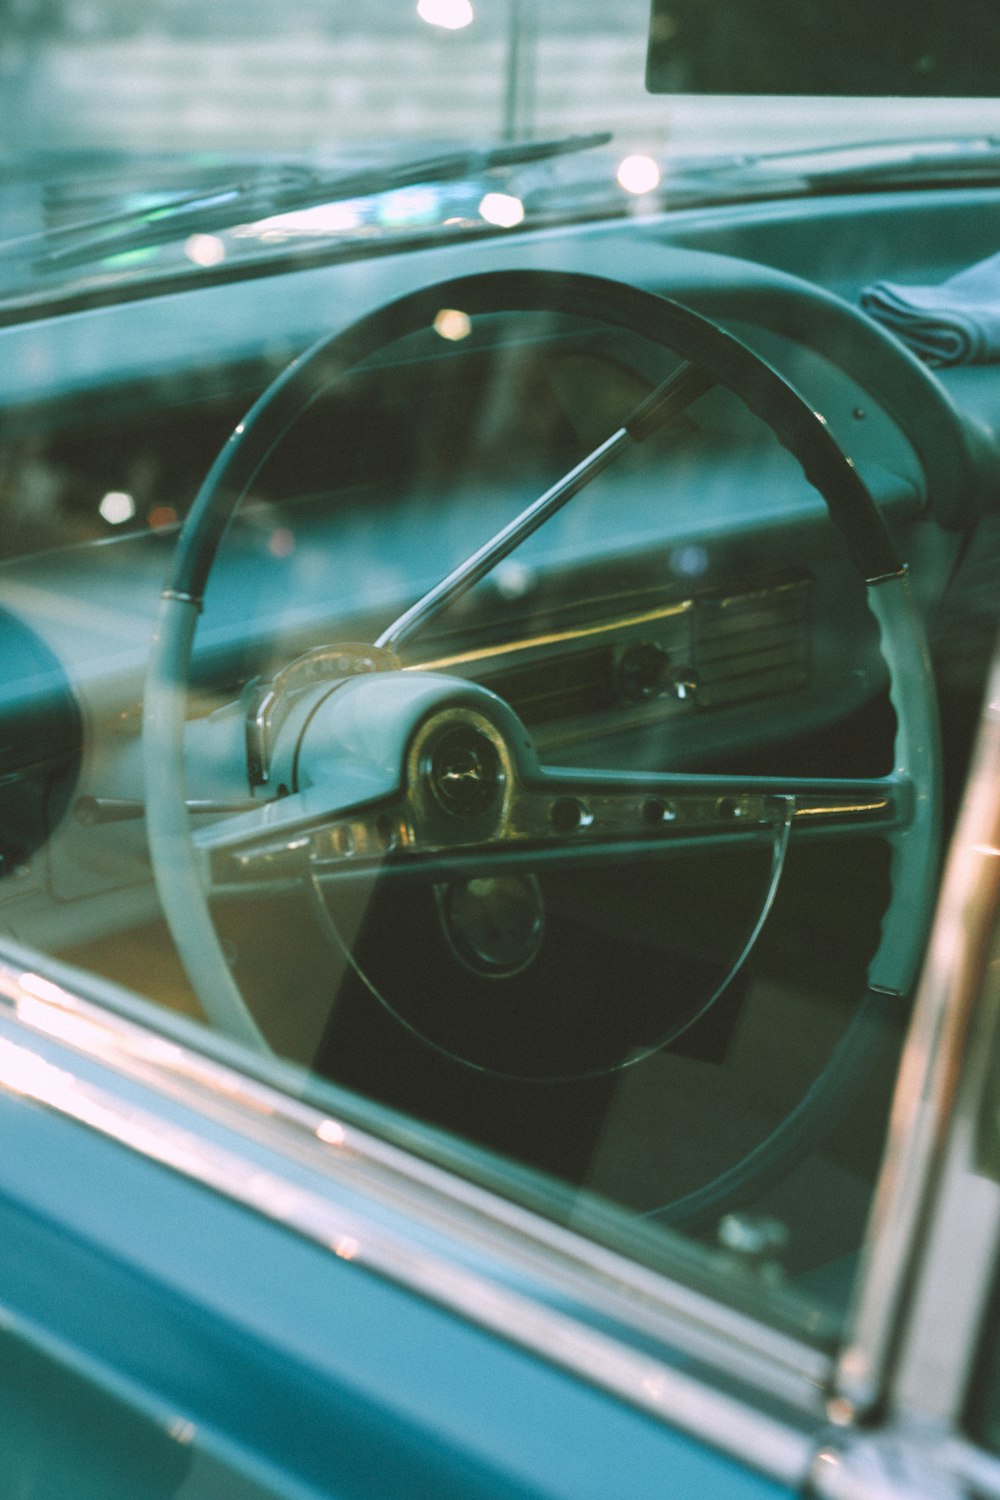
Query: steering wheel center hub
[[461, 777], [464, 773]]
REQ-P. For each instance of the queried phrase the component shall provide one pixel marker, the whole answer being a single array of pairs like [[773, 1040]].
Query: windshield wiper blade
[[857, 165], [232, 204]]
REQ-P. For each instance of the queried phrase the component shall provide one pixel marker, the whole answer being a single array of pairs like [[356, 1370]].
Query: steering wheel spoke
[[599, 805], [559, 817], [280, 843]]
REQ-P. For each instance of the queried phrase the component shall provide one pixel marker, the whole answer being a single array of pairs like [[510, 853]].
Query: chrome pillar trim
[[951, 1277], [496, 1263]]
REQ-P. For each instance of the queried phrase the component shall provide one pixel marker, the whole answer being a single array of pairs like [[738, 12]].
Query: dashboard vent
[[751, 645]]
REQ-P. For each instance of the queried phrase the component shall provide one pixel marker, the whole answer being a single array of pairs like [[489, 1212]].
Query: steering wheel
[[395, 782]]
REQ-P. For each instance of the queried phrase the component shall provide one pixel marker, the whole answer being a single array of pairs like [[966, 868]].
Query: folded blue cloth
[[954, 323]]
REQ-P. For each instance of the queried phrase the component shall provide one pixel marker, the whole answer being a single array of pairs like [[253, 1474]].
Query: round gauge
[[494, 924]]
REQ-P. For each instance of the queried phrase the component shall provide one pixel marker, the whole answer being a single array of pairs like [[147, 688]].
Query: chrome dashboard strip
[[76, 1058], [610, 625], [552, 638]]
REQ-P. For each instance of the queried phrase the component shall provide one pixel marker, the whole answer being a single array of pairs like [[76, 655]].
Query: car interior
[[530, 690]]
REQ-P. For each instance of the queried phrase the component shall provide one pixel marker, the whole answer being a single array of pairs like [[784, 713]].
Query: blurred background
[[274, 78], [298, 75]]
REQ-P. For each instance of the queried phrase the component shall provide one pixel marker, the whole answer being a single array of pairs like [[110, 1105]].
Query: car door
[[212, 1288], [214, 1283]]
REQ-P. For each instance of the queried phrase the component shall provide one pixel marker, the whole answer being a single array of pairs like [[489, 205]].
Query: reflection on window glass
[[584, 897], [553, 776]]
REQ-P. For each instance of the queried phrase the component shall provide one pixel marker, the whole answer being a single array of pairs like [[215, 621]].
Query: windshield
[[168, 136]]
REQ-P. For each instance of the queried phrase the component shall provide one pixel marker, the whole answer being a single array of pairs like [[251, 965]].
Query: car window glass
[[600, 868], [668, 1034]]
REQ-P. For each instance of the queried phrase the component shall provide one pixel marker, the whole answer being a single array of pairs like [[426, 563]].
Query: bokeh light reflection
[[453, 324], [502, 209], [450, 15], [638, 174]]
